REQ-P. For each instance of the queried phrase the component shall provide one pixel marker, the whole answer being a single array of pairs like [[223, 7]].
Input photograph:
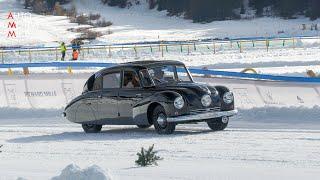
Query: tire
[[217, 124], [160, 123], [91, 128], [144, 126]]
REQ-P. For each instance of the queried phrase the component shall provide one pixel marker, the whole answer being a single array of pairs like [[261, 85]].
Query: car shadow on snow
[[108, 135]]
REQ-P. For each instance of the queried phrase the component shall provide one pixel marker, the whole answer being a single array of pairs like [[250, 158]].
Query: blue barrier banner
[[193, 71]]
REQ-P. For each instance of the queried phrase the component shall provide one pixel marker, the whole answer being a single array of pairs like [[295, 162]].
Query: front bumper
[[202, 116]]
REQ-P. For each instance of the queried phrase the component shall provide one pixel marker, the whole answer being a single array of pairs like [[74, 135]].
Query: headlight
[[178, 102], [206, 100], [228, 97]]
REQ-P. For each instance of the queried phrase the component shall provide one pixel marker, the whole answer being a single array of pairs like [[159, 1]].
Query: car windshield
[[169, 73]]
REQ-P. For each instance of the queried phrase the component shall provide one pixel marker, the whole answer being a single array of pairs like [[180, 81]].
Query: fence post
[[29, 55], [82, 52], [294, 46], [135, 50], [194, 46], [240, 46], [214, 47], [188, 49], [162, 51], [56, 54], [2, 60], [151, 49], [181, 49], [110, 51], [267, 45]]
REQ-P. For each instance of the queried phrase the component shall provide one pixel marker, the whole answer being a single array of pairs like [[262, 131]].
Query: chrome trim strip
[[202, 116], [197, 111]]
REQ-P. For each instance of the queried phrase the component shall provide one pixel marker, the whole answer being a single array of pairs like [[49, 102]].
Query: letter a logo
[[10, 16]]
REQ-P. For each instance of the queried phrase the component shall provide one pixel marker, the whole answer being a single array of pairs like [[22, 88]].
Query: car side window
[[130, 80], [111, 80]]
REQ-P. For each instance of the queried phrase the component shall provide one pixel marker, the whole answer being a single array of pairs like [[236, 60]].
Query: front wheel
[[161, 125], [218, 124], [91, 128]]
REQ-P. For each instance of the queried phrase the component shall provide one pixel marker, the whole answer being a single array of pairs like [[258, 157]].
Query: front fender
[[222, 90], [164, 98]]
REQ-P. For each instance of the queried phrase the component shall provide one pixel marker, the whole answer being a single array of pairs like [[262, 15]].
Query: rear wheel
[[144, 126], [91, 128], [218, 124], [159, 119]]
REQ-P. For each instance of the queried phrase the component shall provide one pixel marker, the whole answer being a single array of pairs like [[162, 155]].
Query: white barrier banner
[[54, 91]]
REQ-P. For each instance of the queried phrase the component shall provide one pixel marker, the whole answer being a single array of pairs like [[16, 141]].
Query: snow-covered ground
[[193, 152], [267, 140], [275, 141]]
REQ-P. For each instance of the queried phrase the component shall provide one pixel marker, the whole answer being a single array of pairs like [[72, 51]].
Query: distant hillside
[[210, 10]]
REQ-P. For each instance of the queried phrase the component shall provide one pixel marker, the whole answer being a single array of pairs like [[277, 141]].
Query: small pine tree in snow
[[147, 157], [0, 148]]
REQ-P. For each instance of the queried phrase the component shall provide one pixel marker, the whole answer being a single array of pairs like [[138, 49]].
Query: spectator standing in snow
[[76, 45], [75, 55], [63, 50]]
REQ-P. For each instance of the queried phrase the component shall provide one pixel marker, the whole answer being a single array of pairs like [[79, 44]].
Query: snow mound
[[280, 114], [74, 172]]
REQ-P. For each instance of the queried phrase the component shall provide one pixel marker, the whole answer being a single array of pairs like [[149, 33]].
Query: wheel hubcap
[[225, 119], [162, 120]]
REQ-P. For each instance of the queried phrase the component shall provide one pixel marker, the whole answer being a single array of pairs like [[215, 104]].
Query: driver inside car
[[131, 80]]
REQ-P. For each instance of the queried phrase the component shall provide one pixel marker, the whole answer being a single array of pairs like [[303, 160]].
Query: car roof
[[152, 63], [138, 65]]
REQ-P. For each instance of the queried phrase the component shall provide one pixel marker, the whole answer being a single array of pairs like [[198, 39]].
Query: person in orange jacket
[[75, 55]]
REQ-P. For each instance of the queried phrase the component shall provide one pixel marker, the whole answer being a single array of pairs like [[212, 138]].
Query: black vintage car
[[145, 93]]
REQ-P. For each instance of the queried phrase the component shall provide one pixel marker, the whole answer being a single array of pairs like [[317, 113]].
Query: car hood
[[192, 92]]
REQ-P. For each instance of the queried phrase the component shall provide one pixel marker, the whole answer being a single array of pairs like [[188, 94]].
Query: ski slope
[[138, 24]]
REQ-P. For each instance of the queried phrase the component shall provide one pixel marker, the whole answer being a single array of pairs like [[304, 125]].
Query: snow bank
[[14, 113], [280, 114], [74, 172]]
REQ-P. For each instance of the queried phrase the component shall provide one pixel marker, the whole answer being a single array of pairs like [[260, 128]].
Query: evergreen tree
[[147, 157]]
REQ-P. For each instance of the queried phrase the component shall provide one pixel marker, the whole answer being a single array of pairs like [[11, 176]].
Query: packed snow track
[[193, 152]]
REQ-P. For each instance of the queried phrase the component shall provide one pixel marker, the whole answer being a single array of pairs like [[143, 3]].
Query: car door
[[130, 93], [107, 97]]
